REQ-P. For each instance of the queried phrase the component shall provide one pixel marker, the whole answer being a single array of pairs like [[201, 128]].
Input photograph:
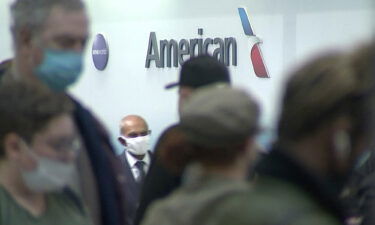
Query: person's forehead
[[63, 21], [61, 126], [134, 125]]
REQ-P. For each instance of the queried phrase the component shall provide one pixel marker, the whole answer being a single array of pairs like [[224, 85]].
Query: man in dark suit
[[136, 159]]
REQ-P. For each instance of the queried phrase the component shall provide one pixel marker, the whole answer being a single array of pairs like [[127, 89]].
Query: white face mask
[[137, 145], [50, 175]]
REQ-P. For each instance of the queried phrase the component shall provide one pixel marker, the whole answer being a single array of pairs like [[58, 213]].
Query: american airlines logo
[[255, 54], [172, 53]]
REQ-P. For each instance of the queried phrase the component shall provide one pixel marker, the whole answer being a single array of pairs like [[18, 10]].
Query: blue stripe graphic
[[245, 22]]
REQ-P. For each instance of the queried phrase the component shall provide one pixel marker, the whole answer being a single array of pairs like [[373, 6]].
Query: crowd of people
[[57, 164]]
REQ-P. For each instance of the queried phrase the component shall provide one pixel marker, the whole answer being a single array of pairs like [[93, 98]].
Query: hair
[[327, 87], [26, 109], [33, 14], [176, 151]]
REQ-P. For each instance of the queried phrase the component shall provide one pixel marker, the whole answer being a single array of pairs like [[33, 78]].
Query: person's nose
[[78, 46]]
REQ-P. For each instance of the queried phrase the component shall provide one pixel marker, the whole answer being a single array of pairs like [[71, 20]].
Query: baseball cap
[[200, 71], [214, 117]]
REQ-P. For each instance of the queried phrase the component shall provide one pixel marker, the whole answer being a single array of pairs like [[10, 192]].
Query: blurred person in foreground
[[49, 37], [360, 191], [195, 73], [326, 124], [215, 142], [38, 147]]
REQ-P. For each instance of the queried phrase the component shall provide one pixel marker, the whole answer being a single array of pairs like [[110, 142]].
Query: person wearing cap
[[327, 123], [198, 72], [195, 73], [215, 143]]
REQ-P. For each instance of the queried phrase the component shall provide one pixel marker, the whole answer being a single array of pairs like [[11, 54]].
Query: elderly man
[[135, 159], [49, 37]]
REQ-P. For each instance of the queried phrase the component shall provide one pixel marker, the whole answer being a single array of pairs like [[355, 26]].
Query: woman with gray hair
[[215, 138]]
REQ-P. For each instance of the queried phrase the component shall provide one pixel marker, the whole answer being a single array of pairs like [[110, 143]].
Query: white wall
[[291, 30]]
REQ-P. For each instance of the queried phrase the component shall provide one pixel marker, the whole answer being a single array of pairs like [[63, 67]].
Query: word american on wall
[[167, 52]]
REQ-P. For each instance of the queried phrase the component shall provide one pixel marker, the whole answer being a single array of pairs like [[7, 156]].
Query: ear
[[13, 146], [339, 126], [122, 141], [251, 149], [24, 37]]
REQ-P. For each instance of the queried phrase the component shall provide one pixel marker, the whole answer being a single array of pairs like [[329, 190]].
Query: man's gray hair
[[32, 14]]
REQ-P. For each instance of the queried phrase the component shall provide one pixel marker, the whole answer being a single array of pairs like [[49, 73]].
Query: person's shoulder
[[71, 204], [81, 110], [251, 209], [161, 211], [286, 202]]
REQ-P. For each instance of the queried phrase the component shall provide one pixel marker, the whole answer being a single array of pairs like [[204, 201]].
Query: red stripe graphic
[[258, 64]]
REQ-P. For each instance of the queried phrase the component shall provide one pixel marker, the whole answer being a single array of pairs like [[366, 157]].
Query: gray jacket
[[190, 204]]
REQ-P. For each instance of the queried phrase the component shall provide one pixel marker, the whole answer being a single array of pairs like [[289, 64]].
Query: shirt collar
[[132, 160]]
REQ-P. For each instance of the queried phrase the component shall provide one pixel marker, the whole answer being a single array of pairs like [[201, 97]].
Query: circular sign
[[100, 52]]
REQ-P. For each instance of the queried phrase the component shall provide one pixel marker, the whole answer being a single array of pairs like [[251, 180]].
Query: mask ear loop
[[121, 139]]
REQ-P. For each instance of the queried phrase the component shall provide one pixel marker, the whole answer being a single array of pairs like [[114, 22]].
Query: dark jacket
[[158, 183], [105, 165], [284, 193], [132, 190]]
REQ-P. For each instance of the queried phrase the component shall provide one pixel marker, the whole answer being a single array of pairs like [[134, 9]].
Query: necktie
[[140, 166]]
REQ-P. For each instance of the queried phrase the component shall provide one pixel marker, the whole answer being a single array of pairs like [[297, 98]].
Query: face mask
[[50, 175], [59, 68], [138, 145]]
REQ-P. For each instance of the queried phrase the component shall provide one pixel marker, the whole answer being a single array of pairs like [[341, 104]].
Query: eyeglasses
[[140, 134], [66, 145]]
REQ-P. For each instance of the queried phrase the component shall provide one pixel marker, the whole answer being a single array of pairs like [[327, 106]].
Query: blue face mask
[[59, 68]]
